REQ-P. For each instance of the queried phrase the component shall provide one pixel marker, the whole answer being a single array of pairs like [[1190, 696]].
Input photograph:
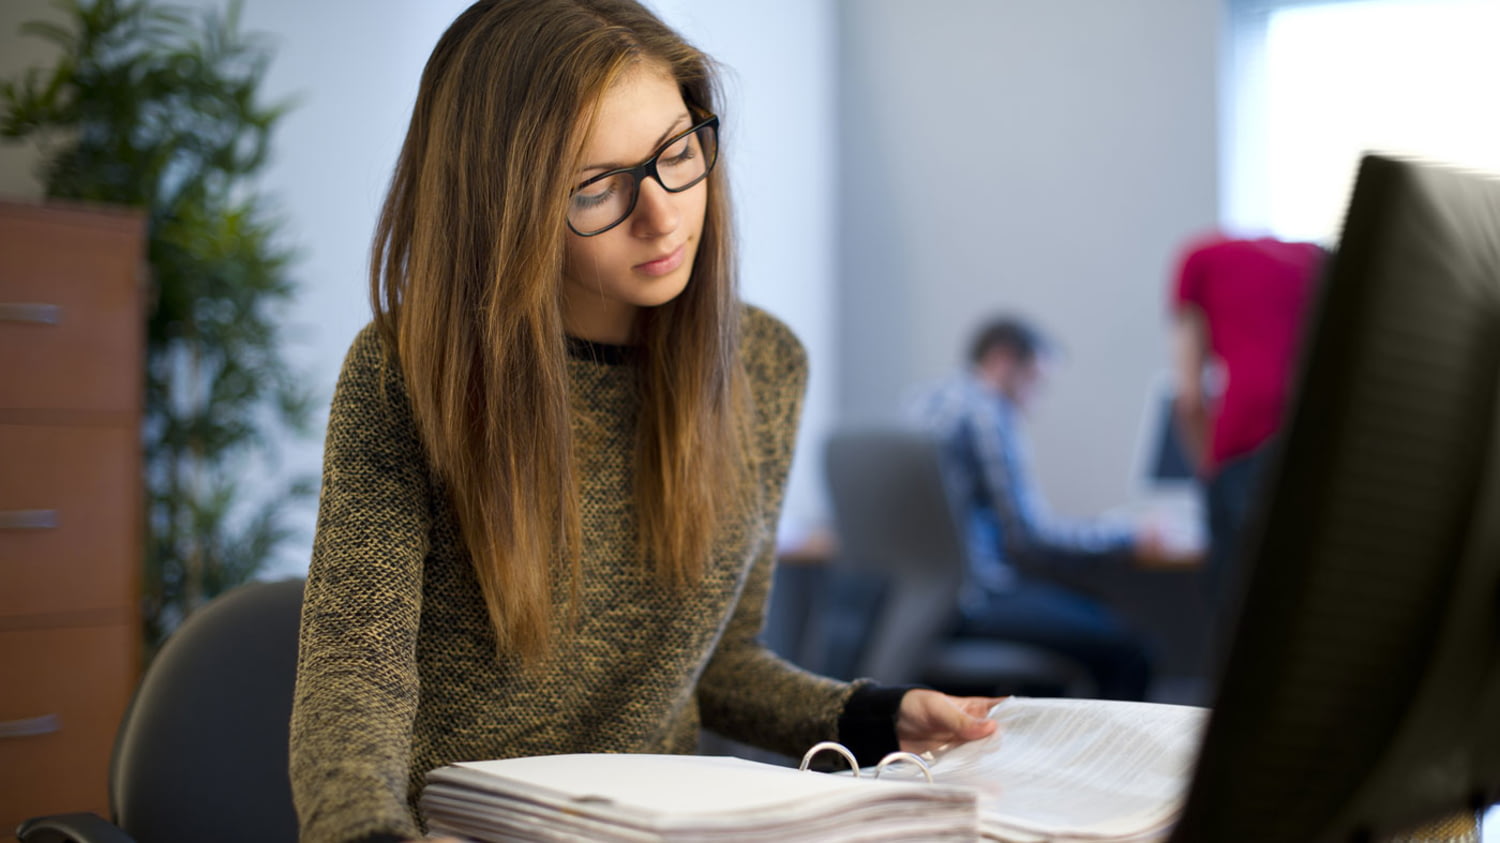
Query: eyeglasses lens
[[605, 202]]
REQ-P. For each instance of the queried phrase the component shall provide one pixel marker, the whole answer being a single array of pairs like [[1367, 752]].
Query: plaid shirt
[[987, 460]]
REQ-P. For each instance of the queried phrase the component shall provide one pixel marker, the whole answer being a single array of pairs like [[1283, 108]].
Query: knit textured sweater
[[398, 671]]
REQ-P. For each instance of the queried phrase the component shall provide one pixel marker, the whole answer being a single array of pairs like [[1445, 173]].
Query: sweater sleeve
[[357, 687], [747, 692]]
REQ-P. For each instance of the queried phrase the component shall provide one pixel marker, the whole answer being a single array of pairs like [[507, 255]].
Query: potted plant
[[159, 108]]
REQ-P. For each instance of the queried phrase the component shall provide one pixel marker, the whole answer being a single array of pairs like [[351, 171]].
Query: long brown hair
[[465, 281]]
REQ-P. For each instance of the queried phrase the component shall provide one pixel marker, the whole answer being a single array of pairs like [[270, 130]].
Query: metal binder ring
[[904, 757], [836, 747]]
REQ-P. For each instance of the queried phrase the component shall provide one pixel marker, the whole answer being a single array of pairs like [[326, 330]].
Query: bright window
[[1312, 85]]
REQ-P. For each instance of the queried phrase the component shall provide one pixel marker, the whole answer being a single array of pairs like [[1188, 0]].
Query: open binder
[[1057, 770]]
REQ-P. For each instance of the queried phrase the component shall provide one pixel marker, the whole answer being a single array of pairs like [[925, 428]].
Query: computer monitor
[[1161, 463], [1360, 693], [1162, 488]]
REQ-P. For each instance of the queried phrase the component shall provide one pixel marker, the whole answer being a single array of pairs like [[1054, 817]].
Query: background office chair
[[900, 537], [202, 752]]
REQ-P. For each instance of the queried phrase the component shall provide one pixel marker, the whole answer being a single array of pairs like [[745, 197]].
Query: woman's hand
[[929, 720]]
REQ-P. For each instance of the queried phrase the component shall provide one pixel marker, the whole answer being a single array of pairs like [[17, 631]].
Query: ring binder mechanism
[[836, 747], [904, 758], [1056, 770], [888, 760]]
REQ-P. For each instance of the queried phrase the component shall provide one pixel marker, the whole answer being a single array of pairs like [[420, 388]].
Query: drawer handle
[[28, 519], [41, 314], [31, 726]]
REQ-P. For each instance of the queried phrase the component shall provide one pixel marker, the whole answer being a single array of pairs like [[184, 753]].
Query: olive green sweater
[[398, 671]]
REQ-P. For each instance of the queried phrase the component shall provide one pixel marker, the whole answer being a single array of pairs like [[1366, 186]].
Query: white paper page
[[662, 783], [489, 817], [1080, 768]]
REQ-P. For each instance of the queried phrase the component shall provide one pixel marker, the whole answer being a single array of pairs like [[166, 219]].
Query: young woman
[[555, 460]]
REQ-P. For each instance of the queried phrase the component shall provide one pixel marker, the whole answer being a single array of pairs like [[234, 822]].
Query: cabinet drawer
[[85, 482], [65, 691], [71, 320]]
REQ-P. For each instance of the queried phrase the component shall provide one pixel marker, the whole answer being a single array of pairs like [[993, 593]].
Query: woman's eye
[[675, 156], [593, 195]]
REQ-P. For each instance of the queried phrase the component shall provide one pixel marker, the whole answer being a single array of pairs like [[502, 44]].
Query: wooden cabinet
[[72, 350]]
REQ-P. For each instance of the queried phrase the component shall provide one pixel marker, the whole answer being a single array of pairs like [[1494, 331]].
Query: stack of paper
[[682, 797], [1074, 770]]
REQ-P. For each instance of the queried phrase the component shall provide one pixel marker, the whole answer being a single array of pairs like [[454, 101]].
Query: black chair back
[[893, 519], [896, 522], [202, 752]]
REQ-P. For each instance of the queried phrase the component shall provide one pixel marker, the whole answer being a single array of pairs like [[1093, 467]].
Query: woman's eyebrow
[[675, 127]]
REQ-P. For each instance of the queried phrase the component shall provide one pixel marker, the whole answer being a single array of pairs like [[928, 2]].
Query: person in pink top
[[1238, 305]]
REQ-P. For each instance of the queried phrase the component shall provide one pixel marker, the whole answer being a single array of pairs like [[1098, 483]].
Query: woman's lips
[[665, 264]]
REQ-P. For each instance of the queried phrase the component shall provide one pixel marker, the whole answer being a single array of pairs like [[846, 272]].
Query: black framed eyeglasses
[[606, 200]]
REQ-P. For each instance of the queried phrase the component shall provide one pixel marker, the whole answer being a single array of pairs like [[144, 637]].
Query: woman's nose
[[656, 212]]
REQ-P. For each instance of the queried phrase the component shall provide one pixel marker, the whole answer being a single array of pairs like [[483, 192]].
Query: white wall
[[354, 77], [780, 83], [1044, 156]]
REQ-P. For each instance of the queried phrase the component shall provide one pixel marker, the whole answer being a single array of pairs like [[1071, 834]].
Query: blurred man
[[1014, 539]]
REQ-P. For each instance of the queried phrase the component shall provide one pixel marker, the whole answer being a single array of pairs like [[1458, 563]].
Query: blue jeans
[[1232, 493]]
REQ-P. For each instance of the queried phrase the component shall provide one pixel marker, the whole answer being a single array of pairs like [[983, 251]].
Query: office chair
[[201, 754], [895, 521]]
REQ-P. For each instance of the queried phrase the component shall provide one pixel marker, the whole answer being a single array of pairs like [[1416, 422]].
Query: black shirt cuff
[[867, 726], [380, 837]]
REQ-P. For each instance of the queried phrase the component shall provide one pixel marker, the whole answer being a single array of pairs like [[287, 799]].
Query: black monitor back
[[1360, 693]]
